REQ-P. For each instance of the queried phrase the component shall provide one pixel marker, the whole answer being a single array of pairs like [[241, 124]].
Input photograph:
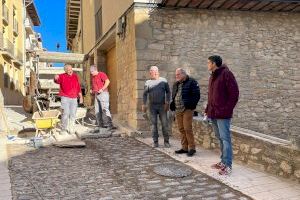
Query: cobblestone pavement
[[111, 168]]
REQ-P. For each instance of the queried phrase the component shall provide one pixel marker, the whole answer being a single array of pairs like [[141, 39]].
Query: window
[[16, 80], [6, 76], [15, 21], [98, 20], [15, 42], [14, 12], [4, 31], [5, 13], [11, 75]]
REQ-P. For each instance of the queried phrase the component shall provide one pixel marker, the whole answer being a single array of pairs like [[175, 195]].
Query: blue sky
[[52, 14]]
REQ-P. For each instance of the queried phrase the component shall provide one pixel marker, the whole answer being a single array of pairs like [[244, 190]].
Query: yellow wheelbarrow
[[46, 121]]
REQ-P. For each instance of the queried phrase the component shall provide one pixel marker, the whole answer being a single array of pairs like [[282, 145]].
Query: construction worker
[[69, 92]]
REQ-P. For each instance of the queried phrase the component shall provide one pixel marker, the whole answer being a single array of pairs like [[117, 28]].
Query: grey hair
[[155, 68], [182, 71], [93, 68], [67, 65]]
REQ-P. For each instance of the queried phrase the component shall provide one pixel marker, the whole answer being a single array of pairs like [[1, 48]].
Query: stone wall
[[127, 81], [267, 154], [261, 48]]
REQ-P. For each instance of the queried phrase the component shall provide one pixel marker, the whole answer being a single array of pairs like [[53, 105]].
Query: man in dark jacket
[[185, 96], [223, 94]]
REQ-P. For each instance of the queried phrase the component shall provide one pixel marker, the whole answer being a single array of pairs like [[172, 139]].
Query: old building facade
[[12, 51], [17, 41], [259, 41]]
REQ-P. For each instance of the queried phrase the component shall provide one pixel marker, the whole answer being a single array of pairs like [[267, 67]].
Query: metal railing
[[5, 12], [16, 26], [18, 55], [6, 45]]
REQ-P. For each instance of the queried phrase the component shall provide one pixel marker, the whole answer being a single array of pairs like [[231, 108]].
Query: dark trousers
[[158, 111]]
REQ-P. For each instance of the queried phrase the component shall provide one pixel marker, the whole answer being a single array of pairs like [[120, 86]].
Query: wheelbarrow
[[80, 115], [46, 122]]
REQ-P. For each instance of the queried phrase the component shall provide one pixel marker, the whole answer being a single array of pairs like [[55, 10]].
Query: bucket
[[37, 142]]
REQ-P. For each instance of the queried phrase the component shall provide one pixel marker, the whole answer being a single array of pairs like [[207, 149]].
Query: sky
[[52, 15]]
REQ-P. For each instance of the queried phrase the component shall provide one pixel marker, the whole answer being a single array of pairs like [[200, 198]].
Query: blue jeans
[[158, 110], [222, 131]]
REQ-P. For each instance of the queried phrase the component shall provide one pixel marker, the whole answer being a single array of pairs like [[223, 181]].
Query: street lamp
[[57, 46]]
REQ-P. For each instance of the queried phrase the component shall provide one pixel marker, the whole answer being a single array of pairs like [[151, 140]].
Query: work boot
[[155, 144], [167, 144]]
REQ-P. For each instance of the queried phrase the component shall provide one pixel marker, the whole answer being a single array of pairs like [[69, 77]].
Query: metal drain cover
[[172, 170]]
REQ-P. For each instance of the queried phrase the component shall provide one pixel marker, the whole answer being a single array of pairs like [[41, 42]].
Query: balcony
[[5, 14], [6, 47], [28, 26], [8, 50], [18, 57], [16, 27]]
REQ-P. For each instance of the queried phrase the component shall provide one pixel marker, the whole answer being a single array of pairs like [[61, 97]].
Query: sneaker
[[155, 144], [181, 151], [191, 152], [218, 165], [167, 144], [225, 170]]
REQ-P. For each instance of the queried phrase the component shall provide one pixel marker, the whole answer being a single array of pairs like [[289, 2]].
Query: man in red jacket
[[223, 95], [69, 92]]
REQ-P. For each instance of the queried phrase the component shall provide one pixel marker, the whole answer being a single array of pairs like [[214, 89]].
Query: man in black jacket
[[185, 96]]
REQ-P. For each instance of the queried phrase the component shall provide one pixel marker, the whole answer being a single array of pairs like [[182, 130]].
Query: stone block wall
[[261, 48], [264, 154], [127, 80]]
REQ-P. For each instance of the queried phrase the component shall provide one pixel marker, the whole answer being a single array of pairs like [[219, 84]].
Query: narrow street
[[113, 168], [150, 100]]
